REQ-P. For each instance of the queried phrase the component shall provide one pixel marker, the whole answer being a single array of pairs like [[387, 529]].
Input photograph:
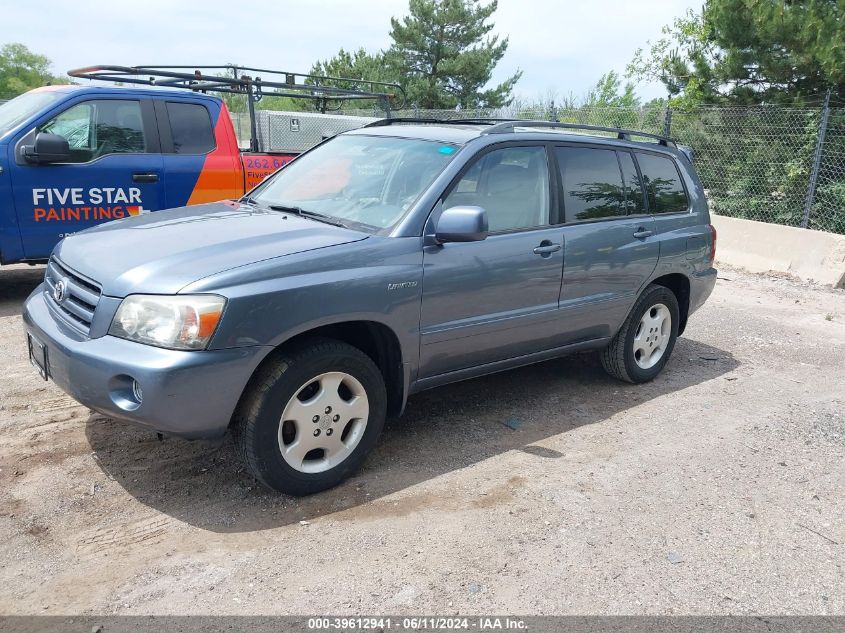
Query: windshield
[[368, 180], [19, 109]]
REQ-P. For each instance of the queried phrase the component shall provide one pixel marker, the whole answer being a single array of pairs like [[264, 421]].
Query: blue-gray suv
[[390, 259]]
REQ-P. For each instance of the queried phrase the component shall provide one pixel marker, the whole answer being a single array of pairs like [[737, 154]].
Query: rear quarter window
[[666, 193], [190, 127]]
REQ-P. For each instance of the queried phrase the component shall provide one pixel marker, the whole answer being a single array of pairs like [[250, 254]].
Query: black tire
[[618, 358], [257, 421]]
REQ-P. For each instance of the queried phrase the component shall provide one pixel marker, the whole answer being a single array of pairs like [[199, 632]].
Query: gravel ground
[[553, 489]]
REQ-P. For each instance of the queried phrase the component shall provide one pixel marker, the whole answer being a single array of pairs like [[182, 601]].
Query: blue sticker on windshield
[[445, 149]]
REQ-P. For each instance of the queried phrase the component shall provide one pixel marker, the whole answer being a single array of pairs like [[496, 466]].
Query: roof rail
[[621, 133], [467, 121], [233, 79]]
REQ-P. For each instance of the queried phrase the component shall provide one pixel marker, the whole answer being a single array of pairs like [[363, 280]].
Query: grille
[[72, 295]]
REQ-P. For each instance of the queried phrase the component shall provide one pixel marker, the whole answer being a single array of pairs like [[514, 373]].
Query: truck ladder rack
[[252, 82]]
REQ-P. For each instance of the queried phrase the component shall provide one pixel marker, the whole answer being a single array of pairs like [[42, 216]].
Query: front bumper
[[188, 394]]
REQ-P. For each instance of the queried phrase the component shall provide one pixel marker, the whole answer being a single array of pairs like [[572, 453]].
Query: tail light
[[713, 244]]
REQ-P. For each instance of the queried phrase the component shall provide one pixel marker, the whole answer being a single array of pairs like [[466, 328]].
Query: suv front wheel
[[645, 341], [311, 416]]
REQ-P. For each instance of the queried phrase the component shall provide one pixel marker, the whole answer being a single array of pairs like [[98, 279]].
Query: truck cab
[[75, 156], [72, 157]]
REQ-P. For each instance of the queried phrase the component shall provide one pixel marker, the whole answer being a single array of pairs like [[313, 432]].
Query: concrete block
[[764, 247]]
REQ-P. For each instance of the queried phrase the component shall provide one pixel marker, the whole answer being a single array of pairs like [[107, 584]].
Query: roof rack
[[233, 79], [429, 121], [504, 125], [621, 133]]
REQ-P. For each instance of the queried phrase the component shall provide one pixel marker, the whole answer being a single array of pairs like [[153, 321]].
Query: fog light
[[125, 392]]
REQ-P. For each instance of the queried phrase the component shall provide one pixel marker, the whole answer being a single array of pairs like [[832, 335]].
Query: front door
[[498, 298], [114, 172]]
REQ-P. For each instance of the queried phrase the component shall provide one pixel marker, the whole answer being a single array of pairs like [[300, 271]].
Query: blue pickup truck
[[72, 157], [75, 156]]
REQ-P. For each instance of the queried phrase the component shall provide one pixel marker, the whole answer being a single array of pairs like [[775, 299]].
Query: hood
[[162, 252]]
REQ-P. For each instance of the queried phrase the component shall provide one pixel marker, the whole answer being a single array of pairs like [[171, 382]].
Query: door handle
[[546, 248], [144, 177], [642, 233]]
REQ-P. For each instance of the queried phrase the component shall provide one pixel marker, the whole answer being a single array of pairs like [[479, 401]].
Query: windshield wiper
[[314, 215]]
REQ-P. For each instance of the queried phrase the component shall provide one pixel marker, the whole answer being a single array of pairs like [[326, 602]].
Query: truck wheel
[[643, 344], [311, 416]]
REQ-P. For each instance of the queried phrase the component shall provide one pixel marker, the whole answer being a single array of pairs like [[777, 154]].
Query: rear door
[[610, 246], [115, 171], [200, 154], [683, 236], [498, 298]]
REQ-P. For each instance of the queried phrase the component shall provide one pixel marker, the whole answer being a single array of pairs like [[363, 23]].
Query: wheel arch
[[375, 339], [679, 284]]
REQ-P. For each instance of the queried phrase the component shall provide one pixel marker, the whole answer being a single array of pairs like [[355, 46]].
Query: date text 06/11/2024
[[431, 623]]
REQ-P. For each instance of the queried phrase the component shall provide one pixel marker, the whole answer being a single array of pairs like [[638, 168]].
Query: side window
[[663, 184], [511, 184], [190, 127], [97, 128], [633, 187], [592, 183]]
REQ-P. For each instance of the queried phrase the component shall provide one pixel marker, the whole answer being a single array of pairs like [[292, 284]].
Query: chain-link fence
[[241, 122], [765, 163], [828, 202]]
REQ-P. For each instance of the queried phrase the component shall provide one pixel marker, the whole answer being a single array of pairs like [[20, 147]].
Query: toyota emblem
[[59, 291]]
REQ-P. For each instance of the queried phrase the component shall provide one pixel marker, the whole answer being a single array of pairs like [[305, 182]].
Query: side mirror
[[461, 224], [48, 148]]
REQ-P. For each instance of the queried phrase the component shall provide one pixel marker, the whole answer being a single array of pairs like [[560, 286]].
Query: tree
[[442, 54], [22, 70], [357, 65], [746, 51], [610, 93], [445, 55]]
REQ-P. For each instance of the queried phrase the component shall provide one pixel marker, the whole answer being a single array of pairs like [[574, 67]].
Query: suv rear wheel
[[646, 339], [311, 416]]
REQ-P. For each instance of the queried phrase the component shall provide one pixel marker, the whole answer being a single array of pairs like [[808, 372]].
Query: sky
[[562, 46]]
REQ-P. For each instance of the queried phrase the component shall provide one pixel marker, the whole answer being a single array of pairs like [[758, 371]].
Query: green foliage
[[748, 52], [237, 103], [355, 65], [288, 104], [442, 54], [610, 93], [22, 70], [682, 47], [828, 211], [445, 55], [754, 162]]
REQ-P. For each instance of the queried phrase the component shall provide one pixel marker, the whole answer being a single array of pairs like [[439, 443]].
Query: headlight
[[174, 322]]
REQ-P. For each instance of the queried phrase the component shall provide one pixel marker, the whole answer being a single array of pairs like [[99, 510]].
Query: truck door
[[114, 172], [199, 152]]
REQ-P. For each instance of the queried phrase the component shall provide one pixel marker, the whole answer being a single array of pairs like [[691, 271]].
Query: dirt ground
[[718, 488]]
